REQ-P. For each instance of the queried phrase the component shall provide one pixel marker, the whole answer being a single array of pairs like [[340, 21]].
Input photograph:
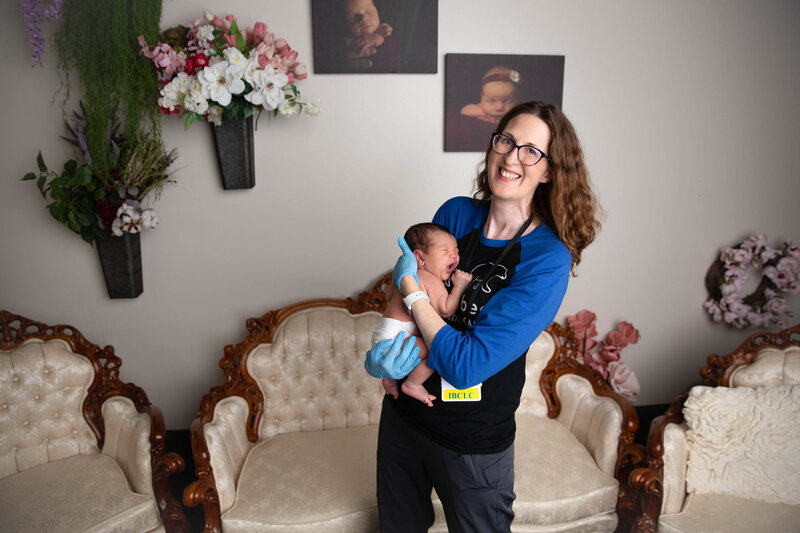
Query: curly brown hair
[[566, 202]]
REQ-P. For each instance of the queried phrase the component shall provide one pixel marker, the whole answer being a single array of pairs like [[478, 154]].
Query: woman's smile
[[507, 175]]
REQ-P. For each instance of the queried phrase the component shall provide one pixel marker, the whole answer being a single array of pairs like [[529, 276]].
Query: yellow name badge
[[452, 394]]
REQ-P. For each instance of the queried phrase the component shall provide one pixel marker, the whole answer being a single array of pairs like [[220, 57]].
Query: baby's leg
[[413, 386], [390, 386]]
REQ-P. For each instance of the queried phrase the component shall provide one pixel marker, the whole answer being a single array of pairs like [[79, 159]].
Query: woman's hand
[[406, 264], [392, 358]]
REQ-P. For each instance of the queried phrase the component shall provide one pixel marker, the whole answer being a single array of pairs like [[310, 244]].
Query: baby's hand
[[384, 29], [461, 279]]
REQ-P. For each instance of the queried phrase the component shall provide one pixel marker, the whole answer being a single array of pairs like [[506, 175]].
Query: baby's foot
[[418, 392], [390, 386]]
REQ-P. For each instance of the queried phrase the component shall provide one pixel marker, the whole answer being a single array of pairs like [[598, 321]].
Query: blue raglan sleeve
[[508, 324]]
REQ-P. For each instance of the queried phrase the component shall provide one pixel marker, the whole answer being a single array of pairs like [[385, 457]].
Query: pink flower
[[583, 323], [230, 39], [623, 380], [259, 35], [788, 264], [300, 72], [596, 362], [792, 250], [610, 352], [713, 309], [629, 333]]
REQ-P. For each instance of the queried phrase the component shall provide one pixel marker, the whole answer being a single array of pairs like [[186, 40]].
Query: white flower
[[235, 57], [204, 35], [513, 75], [116, 227], [214, 115], [267, 88], [195, 102], [289, 108], [220, 81], [312, 108], [128, 219], [149, 218]]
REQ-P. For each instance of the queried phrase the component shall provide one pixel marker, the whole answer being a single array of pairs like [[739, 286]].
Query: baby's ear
[[418, 255]]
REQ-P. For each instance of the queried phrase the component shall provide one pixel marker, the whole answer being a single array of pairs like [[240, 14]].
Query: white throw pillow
[[745, 442]]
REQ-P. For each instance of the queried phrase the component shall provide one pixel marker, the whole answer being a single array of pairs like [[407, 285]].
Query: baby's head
[[434, 247], [499, 91], [361, 17]]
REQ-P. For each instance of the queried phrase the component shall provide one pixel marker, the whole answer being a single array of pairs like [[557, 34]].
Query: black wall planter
[[121, 259], [234, 143]]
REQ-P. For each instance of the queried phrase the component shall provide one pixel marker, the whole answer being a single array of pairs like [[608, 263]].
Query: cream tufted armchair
[[79, 450], [288, 442], [726, 456]]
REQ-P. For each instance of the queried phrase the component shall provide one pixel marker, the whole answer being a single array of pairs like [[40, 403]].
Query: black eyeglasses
[[527, 154]]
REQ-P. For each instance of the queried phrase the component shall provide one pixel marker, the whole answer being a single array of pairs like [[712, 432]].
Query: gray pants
[[477, 491]]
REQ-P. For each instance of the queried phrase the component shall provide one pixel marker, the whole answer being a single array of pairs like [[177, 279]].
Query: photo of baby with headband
[[481, 88], [498, 95]]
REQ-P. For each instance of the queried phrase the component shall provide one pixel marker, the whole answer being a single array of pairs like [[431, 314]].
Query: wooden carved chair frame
[[261, 330], [648, 480], [16, 330]]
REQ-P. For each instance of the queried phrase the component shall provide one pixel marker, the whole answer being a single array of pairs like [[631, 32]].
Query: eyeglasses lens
[[528, 155]]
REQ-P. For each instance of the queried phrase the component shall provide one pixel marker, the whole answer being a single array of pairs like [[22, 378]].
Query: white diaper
[[388, 328]]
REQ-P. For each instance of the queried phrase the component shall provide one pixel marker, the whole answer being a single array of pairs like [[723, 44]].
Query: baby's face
[[441, 257], [362, 17], [497, 97]]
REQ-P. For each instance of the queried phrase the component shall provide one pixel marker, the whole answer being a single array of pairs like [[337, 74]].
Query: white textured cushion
[[555, 477], [321, 481], [80, 493], [714, 513], [745, 442], [42, 388]]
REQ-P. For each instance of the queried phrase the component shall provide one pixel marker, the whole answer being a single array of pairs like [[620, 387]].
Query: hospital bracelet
[[409, 300]]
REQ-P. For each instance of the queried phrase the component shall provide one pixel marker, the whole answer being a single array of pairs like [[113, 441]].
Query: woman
[[532, 215]]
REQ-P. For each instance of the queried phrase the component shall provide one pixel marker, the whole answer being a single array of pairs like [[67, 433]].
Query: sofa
[[726, 455], [287, 442], [80, 450]]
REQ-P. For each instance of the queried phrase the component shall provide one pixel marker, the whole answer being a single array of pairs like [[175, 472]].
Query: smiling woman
[[532, 215]]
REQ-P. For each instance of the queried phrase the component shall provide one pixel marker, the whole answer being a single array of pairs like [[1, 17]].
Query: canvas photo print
[[375, 36], [480, 88]]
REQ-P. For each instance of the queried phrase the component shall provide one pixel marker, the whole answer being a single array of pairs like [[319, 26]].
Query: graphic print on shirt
[[488, 277]]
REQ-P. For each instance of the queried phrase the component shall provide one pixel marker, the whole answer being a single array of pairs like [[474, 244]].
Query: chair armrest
[[137, 442], [596, 421], [127, 441], [220, 448], [666, 451]]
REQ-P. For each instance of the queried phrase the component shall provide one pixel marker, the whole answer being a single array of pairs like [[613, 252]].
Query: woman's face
[[362, 17], [509, 180]]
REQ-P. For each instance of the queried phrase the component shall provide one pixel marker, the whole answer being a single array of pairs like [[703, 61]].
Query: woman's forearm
[[428, 320]]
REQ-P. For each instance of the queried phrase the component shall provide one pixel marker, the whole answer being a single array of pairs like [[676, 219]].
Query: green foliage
[[98, 39], [72, 193]]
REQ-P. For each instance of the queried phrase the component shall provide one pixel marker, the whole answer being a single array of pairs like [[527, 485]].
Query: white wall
[[687, 111]]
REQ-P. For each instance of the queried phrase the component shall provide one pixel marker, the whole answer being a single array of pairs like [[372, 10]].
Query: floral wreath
[[780, 273]]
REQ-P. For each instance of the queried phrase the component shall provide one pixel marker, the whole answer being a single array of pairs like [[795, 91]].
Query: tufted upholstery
[[288, 442], [42, 388], [761, 360], [79, 450]]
